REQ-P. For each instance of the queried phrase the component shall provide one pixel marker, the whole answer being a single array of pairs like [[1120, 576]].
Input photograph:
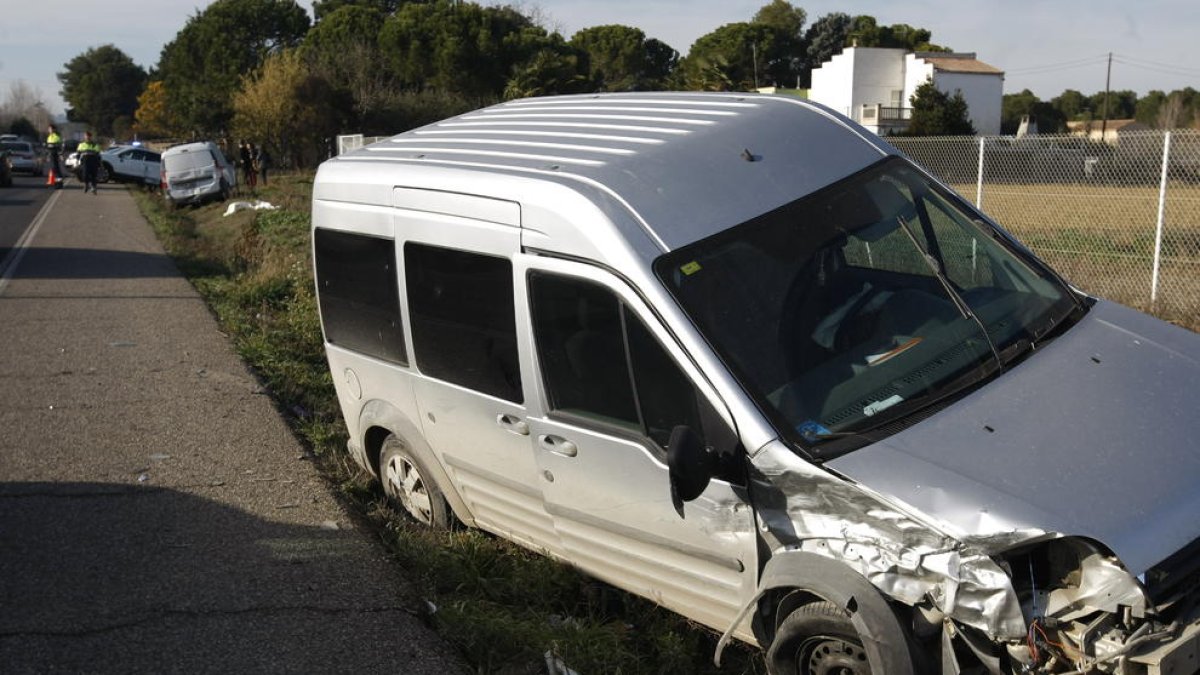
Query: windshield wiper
[[936, 267]]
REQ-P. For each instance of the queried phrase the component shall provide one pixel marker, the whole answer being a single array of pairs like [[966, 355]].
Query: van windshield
[[848, 312], [183, 161]]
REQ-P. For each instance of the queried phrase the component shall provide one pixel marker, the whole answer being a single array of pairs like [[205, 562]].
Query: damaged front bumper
[[1022, 601]]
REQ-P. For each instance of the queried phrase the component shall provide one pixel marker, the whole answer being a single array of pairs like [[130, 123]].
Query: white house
[[874, 86]]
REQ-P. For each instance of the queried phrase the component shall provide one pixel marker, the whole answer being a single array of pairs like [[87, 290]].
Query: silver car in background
[[736, 354], [23, 157]]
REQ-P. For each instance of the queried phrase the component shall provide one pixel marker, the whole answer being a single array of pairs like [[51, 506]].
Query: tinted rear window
[[463, 318], [359, 293], [193, 159]]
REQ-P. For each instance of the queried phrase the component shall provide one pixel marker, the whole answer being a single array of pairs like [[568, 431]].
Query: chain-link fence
[[1119, 218]]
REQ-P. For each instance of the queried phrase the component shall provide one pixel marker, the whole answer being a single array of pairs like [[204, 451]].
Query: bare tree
[[24, 100], [1170, 114]]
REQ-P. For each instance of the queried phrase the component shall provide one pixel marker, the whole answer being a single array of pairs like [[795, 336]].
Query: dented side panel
[[902, 554]]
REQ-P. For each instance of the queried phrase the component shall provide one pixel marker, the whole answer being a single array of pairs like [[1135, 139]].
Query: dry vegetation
[[1102, 239], [503, 606]]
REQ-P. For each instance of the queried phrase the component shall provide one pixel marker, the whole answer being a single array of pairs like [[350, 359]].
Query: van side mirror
[[690, 465]]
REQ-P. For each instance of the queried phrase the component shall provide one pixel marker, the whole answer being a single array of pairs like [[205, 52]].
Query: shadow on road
[[83, 263], [98, 577]]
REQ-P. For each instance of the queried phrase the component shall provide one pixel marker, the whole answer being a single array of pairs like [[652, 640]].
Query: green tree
[[344, 49], [786, 60], [620, 58], [1149, 106], [322, 9], [724, 60], [1015, 106], [1121, 105], [460, 47], [1071, 103], [662, 64], [936, 113], [346, 26], [549, 72], [866, 32], [825, 39], [203, 65], [101, 85]]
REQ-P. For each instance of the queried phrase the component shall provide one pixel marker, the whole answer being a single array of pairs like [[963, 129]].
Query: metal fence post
[[979, 181], [1162, 208]]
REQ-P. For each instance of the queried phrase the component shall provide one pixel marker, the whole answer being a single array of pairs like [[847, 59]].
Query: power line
[[1157, 64], [1052, 67], [1184, 72]]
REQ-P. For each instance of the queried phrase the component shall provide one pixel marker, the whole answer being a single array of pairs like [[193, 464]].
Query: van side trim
[[499, 480], [631, 533]]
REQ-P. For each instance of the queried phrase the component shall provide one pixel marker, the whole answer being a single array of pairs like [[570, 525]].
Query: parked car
[[5, 170], [196, 172], [23, 157], [738, 355], [71, 163], [128, 164]]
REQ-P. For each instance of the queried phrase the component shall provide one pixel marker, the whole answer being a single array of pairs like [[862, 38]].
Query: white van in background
[[196, 172]]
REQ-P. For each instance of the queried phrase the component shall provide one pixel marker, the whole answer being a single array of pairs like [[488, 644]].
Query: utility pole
[[754, 54], [1107, 81]]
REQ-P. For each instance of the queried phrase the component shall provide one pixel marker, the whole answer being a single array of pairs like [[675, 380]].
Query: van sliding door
[[457, 270]]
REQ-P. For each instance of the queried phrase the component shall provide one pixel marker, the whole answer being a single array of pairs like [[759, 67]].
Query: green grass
[[501, 605]]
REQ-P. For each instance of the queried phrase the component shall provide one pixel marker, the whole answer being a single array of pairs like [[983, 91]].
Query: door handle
[[558, 445], [513, 424]]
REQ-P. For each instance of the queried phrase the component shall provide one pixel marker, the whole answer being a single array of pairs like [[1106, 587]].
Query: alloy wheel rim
[[406, 485]]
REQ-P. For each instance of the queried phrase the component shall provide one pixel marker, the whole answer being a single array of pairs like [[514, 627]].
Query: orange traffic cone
[[51, 179]]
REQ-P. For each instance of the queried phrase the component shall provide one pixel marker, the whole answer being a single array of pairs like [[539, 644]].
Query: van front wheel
[[407, 482], [817, 638]]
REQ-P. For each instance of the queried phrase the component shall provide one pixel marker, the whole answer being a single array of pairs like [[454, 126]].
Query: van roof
[[687, 164], [188, 147]]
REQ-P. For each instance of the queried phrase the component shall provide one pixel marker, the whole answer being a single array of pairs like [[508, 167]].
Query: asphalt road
[[156, 514], [18, 206]]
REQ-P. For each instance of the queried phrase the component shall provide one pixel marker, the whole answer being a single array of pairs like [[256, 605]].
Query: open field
[[1102, 239]]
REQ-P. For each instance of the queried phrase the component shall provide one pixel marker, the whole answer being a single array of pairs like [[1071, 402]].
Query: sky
[[1045, 46]]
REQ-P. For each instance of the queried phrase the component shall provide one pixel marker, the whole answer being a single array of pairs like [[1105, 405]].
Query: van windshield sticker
[[812, 431], [690, 268], [879, 406]]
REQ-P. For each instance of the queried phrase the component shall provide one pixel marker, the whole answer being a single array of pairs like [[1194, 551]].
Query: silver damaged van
[[193, 173], [735, 354]]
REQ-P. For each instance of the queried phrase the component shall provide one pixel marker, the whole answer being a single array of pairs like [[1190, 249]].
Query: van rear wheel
[[817, 639], [408, 483]]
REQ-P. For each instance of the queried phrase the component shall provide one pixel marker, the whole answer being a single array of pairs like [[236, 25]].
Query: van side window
[[359, 294], [600, 362], [463, 319]]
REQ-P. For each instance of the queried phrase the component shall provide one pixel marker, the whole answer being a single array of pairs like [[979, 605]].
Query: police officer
[[89, 160], [54, 146]]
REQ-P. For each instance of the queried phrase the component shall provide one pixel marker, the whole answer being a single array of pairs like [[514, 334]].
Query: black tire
[[817, 639], [225, 191], [104, 173], [410, 485]]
